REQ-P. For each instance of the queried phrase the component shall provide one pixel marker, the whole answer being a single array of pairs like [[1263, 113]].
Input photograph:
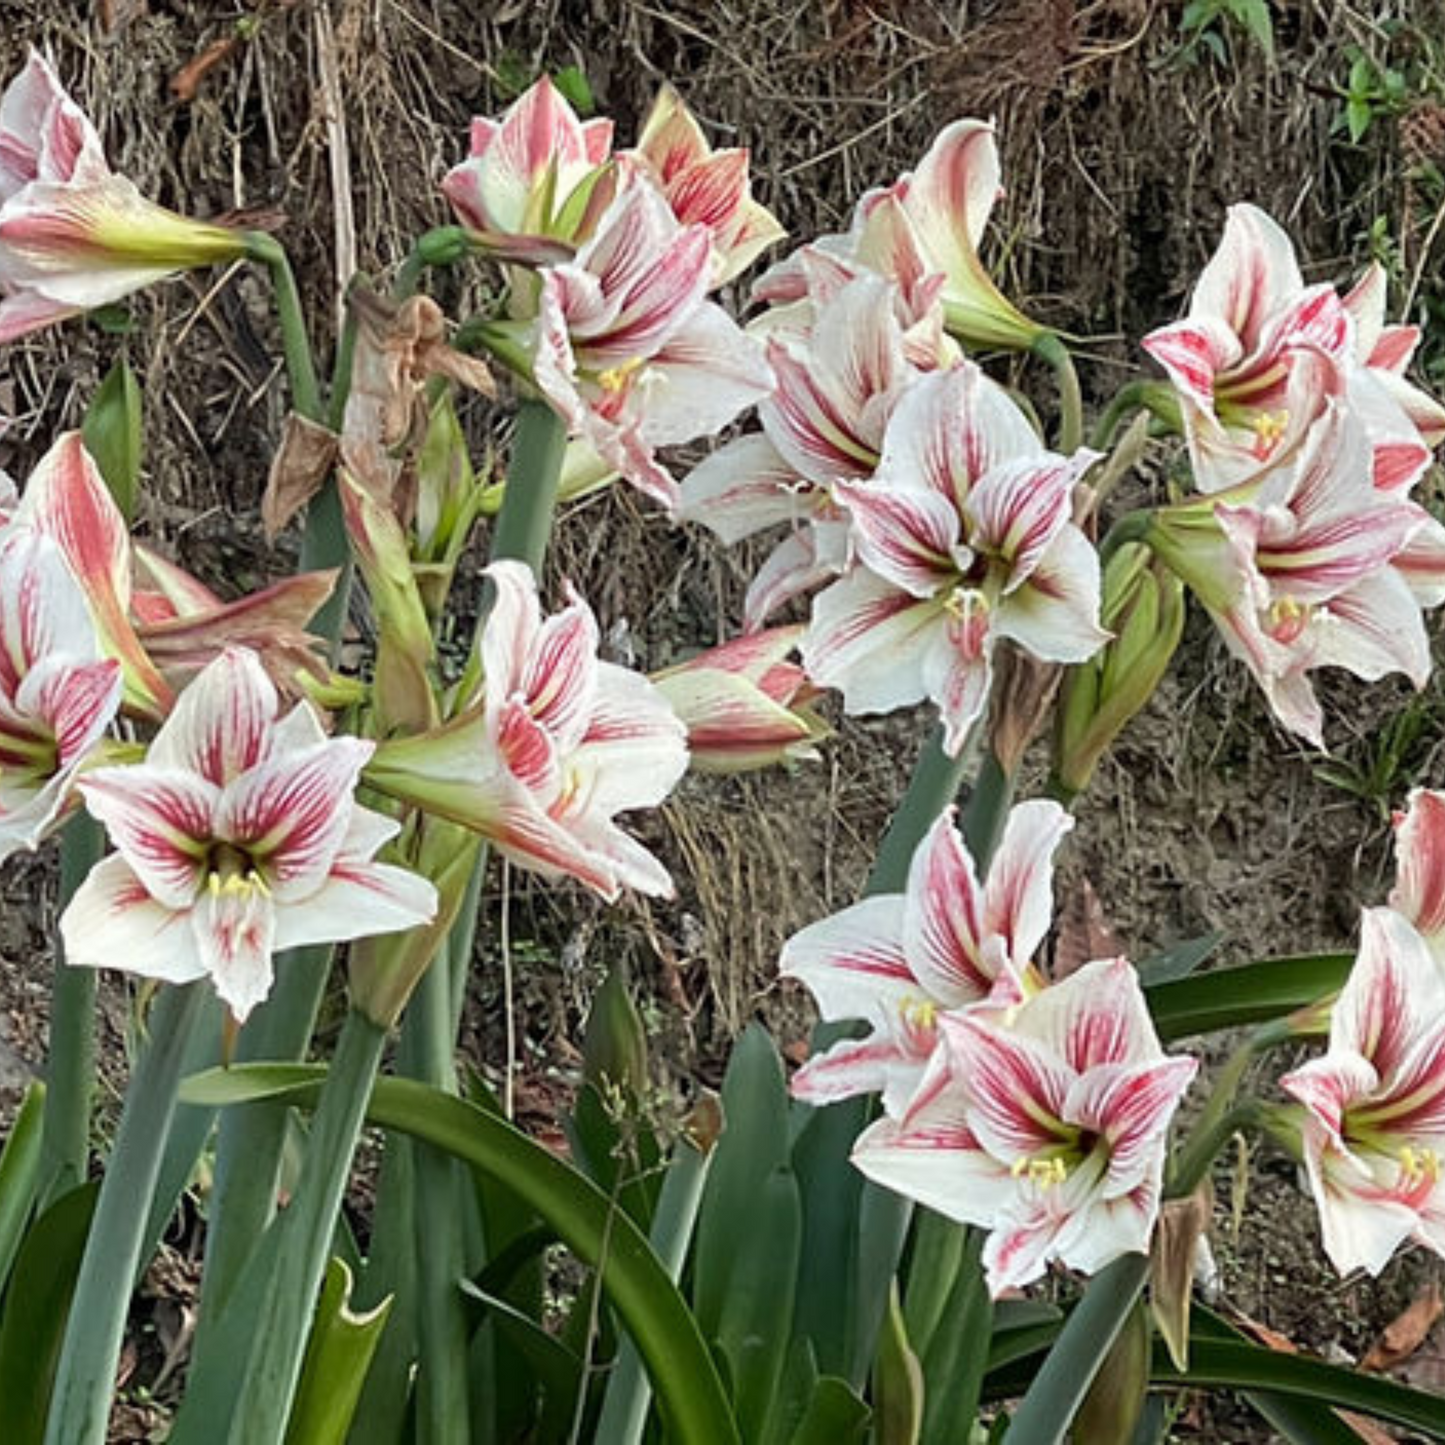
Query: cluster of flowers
[[931, 522], [1039, 1110]]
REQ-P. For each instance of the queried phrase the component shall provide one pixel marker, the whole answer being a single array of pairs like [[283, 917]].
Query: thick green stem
[[934, 785], [295, 340], [80, 1405], [430, 1027], [429, 1043], [70, 1065], [1129, 398], [252, 1136], [267, 1379], [525, 522], [1193, 1158], [1050, 348]]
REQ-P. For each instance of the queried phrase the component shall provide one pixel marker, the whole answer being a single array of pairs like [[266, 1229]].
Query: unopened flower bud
[[1144, 608]]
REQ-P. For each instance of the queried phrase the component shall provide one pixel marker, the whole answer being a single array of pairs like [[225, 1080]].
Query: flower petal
[[113, 919]]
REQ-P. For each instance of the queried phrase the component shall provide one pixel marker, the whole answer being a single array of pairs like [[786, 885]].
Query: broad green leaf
[[1236, 1365], [756, 1322], [113, 435], [1358, 115], [558, 1369], [956, 1355], [1254, 16], [1083, 1344], [1249, 994], [753, 1145], [897, 1383], [19, 1176], [1179, 960], [831, 1190], [933, 1265], [1112, 1409], [836, 1416], [1301, 1421], [36, 1307], [625, 1405], [683, 1373], [338, 1355]]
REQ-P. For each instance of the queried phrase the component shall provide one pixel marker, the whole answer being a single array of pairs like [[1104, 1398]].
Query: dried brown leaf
[[188, 79], [306, 454], [1404, 1335], [1084, 933]]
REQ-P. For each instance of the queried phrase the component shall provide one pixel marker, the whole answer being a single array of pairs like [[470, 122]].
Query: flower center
[[1287, 619], [1419, 1166], [232, 871], [1052, 1164], [1269, 427]]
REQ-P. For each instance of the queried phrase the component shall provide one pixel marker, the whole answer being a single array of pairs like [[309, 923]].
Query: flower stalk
[[80, 1404]]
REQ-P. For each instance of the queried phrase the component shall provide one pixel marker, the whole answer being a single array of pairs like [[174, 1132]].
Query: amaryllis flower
[[557, 743], [1308, 564], [744, 705], [57, 695], [964, 535], [239, 835], [628, 350], [705, 187], [1419, 892], [837, 382], [73, 235], [901, 961], [524, 169], [1047, 1128], [1232, 358], [930, 223], [165, 632], [1374, 1125]]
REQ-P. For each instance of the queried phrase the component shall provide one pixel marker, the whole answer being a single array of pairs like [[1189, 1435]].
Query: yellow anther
[[1419, 1166], [920, 1013], [1287, 619], [1269, 427], [618, 378], [1044, 1172]]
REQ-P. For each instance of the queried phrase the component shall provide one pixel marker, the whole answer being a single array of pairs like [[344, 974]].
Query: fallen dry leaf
[[1406, 1332], [187, 80], [1084, 933]]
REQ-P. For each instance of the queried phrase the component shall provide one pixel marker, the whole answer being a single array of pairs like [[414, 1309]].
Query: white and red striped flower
[[627, 348], [903, 961], [1046, 1128], [1309, 564], [705, 187], [557, 743], [744, 705], [964, 535], [163, 634], [73, 235], [840, 372], [57, 694], [1419, 892], [239, 835], [1232, 360], [1374, 1104], [525, 168], [923, 232]]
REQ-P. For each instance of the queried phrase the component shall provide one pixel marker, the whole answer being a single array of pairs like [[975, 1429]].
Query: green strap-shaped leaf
[[683, 1373], [1253, 993], [19, 1175], [1083, 1344], [37, 1305], [836, 1416], [1237, 1365], [897, 1383], [113, 436], [338, 1356]]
